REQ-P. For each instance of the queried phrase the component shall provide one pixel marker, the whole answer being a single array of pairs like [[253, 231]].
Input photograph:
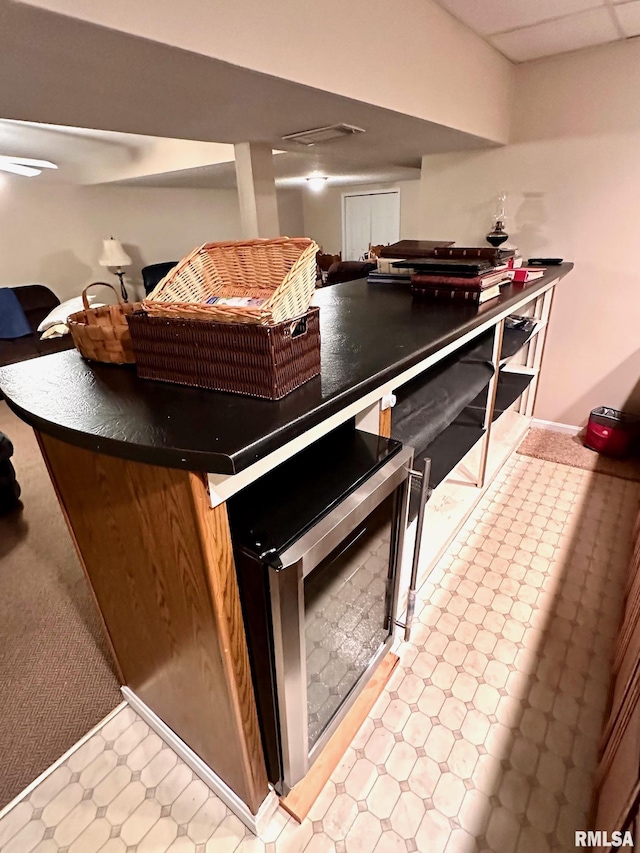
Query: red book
[[524, 274], [478, 282]]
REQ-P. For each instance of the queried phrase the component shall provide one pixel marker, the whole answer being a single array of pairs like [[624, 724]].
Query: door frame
[[350, 193]]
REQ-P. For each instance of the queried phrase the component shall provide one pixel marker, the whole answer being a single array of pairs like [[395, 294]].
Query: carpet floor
[[56, 676], [569, 450]]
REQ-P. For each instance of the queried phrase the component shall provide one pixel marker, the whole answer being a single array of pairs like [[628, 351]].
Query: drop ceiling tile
[[495, 16], [582, 30], [629, 17]]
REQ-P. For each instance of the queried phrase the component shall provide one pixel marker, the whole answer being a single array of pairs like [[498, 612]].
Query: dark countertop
[[371, 333]]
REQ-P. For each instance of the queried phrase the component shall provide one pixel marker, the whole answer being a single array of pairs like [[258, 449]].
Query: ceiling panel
[[629, 17], [576, 31], [496, 16]]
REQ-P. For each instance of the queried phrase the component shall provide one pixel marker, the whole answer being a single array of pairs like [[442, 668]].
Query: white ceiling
[[530, 29], [81, 153], [72, 149]]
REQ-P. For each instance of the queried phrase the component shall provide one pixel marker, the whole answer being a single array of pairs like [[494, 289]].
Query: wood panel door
[[160, 563]]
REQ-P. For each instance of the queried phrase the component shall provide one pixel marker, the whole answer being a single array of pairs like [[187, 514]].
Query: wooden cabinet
[[617, 782]]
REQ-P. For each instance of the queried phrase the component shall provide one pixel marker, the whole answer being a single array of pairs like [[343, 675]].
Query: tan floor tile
[[93, 838], [86, 754], [383, 796], [533, 725], [27, 838], [112, 785], [62, 804], [514, 792], [439, 743], [125, 803], [224, 840], [78, 819], [463, 759], [496, 674], [159, 767], [503, 830], [542, 810], [360, 780], [339, 816], [433, 832], [364, 834], [41, 796], [397, 711], [99, 769]]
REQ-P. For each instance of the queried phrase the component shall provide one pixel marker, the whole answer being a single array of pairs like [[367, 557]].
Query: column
[[256, 190]]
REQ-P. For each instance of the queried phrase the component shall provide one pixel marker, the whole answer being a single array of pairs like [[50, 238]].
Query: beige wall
[[52, 234], [573, 180], [323, 212], [291, 213], [429, 65]]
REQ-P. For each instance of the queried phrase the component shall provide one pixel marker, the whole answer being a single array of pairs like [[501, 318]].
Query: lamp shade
[[113, 255]]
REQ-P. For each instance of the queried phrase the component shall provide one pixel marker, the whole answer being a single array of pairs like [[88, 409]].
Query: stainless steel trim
[[425, 494], [287, 609], [314, 546]]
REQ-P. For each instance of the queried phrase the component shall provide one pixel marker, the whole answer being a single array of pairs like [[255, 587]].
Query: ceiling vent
[[322, 134]]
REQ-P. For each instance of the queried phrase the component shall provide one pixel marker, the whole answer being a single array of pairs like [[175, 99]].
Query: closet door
[[369, 218], [357, 226], [385, 218]]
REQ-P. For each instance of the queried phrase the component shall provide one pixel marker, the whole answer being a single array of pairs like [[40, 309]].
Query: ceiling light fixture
[[317, 183], [25, 166]]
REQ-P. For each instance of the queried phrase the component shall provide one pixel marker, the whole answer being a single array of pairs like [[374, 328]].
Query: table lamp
[[113, 255]]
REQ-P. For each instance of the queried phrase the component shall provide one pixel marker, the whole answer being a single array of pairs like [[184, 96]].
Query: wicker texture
[[260, 361], [102, 334], [281, 271]]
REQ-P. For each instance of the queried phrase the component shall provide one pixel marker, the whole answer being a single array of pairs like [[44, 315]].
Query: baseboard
[[553, 426], [257, 823]]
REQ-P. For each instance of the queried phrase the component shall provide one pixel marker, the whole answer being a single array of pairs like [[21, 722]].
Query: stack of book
[[473, 275]]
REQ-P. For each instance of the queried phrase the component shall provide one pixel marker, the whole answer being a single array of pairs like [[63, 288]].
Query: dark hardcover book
[[454, 294], [479, 282], [447, 266], [485, 253], [413, 248], [388, 278]]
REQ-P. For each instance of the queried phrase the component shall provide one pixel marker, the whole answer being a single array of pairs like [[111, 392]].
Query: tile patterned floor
[[485, 739]]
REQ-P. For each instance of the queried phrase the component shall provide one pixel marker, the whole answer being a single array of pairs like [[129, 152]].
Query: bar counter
[[142, 471], [371, 334]]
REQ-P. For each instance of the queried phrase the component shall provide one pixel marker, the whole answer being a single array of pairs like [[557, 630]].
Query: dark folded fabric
[[6, 447], [13, 322], [428, 404], [9, 488]]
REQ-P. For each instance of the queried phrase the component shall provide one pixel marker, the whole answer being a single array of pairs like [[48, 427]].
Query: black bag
[[9, 487]]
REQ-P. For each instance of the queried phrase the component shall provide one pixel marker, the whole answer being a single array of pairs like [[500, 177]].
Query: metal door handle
[[425, 494]]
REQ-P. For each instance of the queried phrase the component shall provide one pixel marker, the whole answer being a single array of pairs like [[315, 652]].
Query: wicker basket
[[102, 334], [243, 358], [282, 272]]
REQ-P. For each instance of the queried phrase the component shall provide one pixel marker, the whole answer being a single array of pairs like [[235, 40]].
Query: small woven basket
[[281, 272], [102, 334]]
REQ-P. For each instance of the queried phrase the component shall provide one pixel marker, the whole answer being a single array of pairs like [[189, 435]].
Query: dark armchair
[[154, 273], [36, 301]]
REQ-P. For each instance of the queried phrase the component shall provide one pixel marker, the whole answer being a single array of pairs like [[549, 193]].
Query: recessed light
[[317, 183]]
